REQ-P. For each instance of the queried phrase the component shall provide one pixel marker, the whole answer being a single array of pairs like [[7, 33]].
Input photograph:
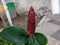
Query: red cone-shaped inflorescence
[[31, 22]]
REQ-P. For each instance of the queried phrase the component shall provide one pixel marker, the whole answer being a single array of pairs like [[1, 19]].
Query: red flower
[[31, 22]]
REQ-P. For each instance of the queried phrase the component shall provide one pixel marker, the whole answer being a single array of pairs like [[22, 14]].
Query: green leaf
[[40, 38], [14, 34], [4, 42], [37, 39], [30, 41]]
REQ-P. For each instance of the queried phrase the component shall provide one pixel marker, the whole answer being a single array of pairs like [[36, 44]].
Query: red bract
[[31, 22]]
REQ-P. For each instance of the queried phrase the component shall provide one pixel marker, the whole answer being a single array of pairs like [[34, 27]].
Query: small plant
[[14, 35]]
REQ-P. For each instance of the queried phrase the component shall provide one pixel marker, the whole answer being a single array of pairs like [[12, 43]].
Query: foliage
[[14, 35]]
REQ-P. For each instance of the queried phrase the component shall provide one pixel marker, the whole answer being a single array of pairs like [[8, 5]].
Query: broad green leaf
[[37, 39], [30, 41], [40, 38], [4, 42], [14, 34]]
